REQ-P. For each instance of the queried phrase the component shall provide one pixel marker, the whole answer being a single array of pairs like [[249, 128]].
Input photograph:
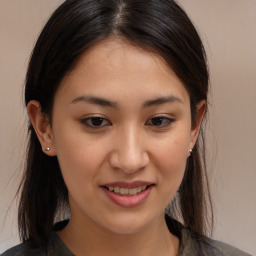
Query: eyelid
[[169, 120], [85, 120]]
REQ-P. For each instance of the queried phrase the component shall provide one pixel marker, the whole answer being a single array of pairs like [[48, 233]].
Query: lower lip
[[129, 200]]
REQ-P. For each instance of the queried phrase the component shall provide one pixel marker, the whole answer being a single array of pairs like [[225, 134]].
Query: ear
[[200, 111], [42, 127]]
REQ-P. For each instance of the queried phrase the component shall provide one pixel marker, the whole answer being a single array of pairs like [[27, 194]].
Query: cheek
[[173, 151], [171, 157], [77, 157]]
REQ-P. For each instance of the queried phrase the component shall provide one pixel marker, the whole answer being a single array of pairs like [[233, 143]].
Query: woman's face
[[121, 130]]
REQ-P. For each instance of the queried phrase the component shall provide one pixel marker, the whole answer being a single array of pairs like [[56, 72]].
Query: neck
[[86, 238]]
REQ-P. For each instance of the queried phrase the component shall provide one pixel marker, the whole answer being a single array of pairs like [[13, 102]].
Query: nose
[[129, 153]]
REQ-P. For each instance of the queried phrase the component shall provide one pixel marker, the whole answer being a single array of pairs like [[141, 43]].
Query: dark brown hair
[[160, 26]]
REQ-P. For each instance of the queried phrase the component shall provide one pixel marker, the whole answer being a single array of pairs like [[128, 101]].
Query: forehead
[[117, 54], [114, 65]]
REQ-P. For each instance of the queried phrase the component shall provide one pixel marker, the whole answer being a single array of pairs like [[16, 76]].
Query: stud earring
[[47, 149], [190, 151]]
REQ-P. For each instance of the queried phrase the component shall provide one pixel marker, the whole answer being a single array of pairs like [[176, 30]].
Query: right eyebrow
[[95, 100], [162, 100]]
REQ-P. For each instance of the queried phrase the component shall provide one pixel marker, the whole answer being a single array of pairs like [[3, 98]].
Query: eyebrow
[[95, 100], [107, 103], [162, 100]]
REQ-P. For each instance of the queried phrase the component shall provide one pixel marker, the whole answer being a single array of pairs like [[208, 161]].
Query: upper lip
[[125, 184]]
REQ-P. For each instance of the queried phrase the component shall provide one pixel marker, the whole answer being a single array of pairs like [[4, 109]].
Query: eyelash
[[89, 122], [104, 122], [167, 121]]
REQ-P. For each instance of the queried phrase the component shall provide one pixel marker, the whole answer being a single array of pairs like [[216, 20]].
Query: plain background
[[228, 29]]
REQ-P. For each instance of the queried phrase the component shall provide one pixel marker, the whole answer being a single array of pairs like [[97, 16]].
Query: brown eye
[[160, 121], [95, 122]]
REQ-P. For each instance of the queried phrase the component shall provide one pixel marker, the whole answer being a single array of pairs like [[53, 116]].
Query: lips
[[128, 194]]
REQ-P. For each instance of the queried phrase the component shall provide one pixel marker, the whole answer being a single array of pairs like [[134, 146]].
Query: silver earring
[[190, 151], [47, 149]]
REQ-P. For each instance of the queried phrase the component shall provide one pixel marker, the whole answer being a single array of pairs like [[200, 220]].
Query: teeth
[[127, 191], [133, 191], [123, 191]]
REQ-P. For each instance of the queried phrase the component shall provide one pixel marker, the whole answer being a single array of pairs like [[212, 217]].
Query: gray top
[[190, 245]]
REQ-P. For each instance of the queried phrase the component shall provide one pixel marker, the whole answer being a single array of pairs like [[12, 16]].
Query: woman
[[116, 92]]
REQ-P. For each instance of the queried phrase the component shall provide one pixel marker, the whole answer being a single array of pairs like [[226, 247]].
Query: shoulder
[[27, 249], [54, 246], [225, 249], [191, 244]]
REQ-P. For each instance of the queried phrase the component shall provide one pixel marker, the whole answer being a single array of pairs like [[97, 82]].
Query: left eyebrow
[[162, 100], [95, 100]]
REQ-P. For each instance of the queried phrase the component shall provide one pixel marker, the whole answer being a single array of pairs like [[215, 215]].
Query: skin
[[131, 142]]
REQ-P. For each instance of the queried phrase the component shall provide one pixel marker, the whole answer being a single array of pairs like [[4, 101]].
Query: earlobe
[[200, 108], [42, 127]]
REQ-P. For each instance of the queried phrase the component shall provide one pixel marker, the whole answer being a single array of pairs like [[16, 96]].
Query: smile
[[129, 194], [126, 191]]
